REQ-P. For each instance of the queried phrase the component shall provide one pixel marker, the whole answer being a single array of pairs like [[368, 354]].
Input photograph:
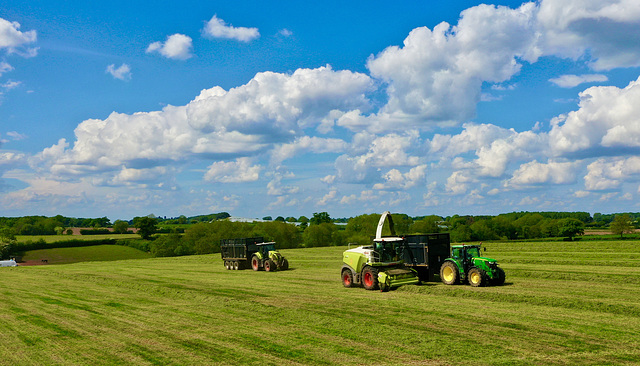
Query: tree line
[[321, 230], [203, 238]]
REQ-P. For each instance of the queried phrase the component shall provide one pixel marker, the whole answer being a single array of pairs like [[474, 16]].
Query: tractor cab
[[468, 253], [388, 249], [265, 248]]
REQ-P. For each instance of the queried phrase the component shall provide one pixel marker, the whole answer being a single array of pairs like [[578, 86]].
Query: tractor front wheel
[[285, 264], [255, 263], [370, 278], [347, 277], [498, 280], [449, 274], [269, 265], [477, 277]]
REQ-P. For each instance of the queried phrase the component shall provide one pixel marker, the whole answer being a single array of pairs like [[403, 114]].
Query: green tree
[[267, 218], [621, 224], [319, 235], [570, 227], [147, 226], [361, 228], [280, 218], [426, 225], [120, 227], [320, 218]]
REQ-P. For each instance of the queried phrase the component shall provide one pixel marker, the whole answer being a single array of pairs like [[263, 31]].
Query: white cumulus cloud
[[535, 173], [237, 171], [610, 173], [608, 30], [15, 41], [305, 144], [435, 67], [122, 72], [569, 81], [177, 46], [609, 117], [218, 28]]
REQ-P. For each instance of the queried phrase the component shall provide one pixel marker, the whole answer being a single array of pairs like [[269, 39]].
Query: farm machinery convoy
[[252, 253], [390, 261], [393, 261]]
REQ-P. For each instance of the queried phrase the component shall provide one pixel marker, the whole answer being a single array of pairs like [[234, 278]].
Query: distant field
[[564, 303], [84, 254], [55, 238]]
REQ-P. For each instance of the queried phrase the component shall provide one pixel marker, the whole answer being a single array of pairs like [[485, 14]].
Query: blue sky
[[122, 109]]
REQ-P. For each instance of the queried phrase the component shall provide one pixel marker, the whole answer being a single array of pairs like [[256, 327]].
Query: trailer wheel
[[347, 278], [500, 277], [449, 274], [255, 263], [226, 264], [269, 265], [235, 265], [370, 278], [285, 264], [477, 277]]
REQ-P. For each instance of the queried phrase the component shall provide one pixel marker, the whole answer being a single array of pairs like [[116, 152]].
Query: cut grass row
[[190, 310]]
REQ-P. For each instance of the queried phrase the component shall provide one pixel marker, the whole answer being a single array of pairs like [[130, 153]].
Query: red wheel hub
[[346, 279], [368, 279]]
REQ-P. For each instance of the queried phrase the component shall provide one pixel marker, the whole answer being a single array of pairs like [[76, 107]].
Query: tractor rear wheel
[[477, 277], [347, 277], [269, 265], [370, 278], [498, 280], [449, 274], [255, 263]]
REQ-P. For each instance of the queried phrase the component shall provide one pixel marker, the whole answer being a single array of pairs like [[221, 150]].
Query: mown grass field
[[562, 304], [55, 238], [84, 254]]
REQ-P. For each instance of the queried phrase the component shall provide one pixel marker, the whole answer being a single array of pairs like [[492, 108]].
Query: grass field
[[562, 304], [84, 254], [55, 238]]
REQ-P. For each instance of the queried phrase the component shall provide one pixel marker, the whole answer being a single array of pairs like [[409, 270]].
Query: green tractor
[[380, 265], [252, 253], [269, 258], [466, 263]]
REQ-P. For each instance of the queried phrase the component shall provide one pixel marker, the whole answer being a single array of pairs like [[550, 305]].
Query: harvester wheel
[[269, 265], [370, 278], [255, 263], [500, 277], [347, 277], [285, 264], [449, 274], [477, 277]]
